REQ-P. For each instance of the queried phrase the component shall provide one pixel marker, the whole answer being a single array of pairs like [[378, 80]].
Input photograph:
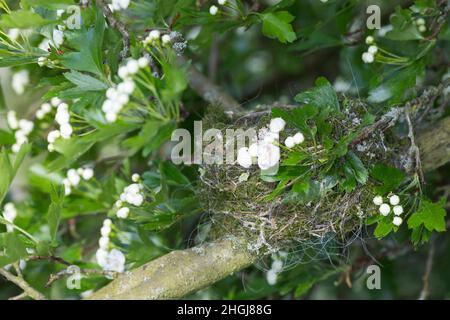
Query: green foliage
[[389, 177], [428, 217], [278, 25]]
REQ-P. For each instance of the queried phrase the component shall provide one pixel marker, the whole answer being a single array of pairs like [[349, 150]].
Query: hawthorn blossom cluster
[[264, 152], [214, 9], [19, 81], [369, 55], [385, 208], [154, 37], [9, 214], [118, 5], [62, 117], [131, 194], [109, 260], [74, 176], [421, 26], [22, 129], [117, 97], [296, 139]]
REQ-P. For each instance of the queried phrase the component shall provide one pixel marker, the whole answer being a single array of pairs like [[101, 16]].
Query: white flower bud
[[103, 242], [73, 177], [126, 87], [132, 66], [422, 28], [268, 155], [46, 107], [111, 93], [367, 57], [40, 114], [166, 39], [26, 126], [370, 40], [373, 50], [88, 173], [111, 117], [42, 61], [143, 62], [253, 150], [385, 209], [13, 123], [154, 35], [289, 142], [53, 135], [123, 72], [222, 2], [213, 10], [123, 99], [299, 138], [105, 231], [397, 221], [51, 147], [394, 200], [66, 130], [277, 125], [55, 101], [398, 210], [244, 158], [135, 177], [62, 117], [122, 213], [107, 222], [378, 200]]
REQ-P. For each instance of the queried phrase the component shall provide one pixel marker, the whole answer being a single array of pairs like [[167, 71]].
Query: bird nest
[[237, 198]]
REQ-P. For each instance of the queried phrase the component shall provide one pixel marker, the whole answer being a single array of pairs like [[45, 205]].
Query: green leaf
[[22, 19], [85, 82], [13, 248], [430, 215], [397, 86], [403, 25], [9, 170], [278, 25], [54, 210], [384, 227], [390, 177], [88, 44], [321, 96], [359, 171]]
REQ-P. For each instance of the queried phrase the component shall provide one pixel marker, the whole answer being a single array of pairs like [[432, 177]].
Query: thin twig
[[115, 23], [71, 271], [52, 258], [20, 282], [414, 152], [426, 277]]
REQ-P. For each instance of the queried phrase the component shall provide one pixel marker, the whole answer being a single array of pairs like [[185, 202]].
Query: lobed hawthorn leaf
[[321, 96], [22, 19], [88, 46], [430, 215], [277, 25]]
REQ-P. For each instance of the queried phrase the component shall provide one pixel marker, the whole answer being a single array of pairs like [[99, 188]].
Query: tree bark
[[183, 272], [180, 272]]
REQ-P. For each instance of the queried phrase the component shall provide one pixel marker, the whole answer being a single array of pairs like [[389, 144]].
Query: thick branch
[[209, 91], [20, 282], [180, 272]]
